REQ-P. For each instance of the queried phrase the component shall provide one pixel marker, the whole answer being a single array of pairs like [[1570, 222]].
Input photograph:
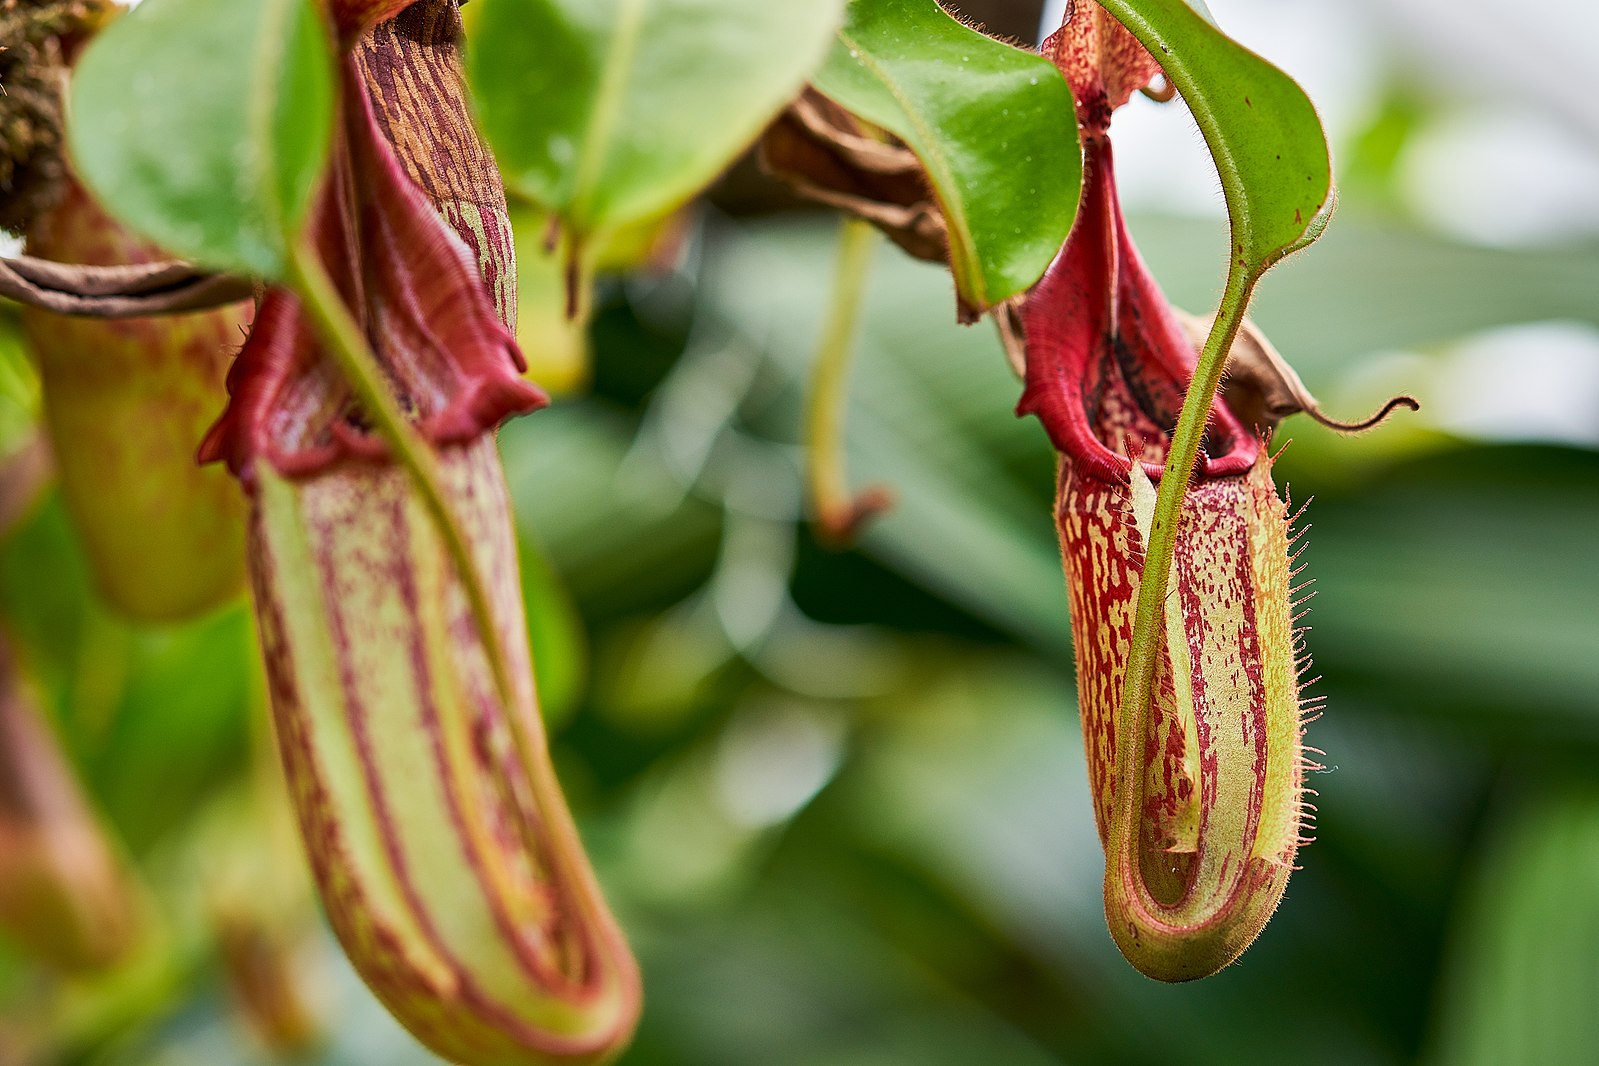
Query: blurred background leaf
[[1526, 941], [19, 388]]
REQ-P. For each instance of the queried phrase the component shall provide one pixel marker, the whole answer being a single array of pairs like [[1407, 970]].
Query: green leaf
[[1260, 126], [205, 126], [993, 125], [607, 112]]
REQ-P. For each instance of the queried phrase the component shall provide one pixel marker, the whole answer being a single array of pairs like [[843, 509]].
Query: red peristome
[[1107, 360], [417, 297]]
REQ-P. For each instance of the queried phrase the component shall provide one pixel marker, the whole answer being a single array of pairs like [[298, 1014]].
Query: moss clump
[[37, 42]]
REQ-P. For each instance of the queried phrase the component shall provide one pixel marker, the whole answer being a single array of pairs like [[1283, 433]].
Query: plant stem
[[342, 340], [1148, 636], [836, 513]]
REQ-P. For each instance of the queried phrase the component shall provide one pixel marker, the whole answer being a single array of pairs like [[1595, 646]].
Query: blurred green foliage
[[839, 799]]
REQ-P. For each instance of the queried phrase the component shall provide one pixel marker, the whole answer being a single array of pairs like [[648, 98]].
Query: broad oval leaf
[[607, 112], [1261, 128], [205, 125], [993, 125]]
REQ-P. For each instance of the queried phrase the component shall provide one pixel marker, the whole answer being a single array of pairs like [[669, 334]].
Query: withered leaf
[[1262, 389], [825, 154]]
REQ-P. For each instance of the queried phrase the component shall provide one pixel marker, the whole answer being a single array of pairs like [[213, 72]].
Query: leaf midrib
[[607, 107]]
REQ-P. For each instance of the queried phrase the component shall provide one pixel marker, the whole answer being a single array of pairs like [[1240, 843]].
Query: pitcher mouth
[[1108, 363], [417, 295]]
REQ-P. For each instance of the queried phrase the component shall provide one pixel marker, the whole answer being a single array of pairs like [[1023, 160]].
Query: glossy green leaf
[[205, 126], [1260, 126], [993, 125], [607, 112]]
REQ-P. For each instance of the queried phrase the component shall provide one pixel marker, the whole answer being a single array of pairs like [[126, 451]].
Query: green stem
[[834, 510], [1148, 636], [343, 341]]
